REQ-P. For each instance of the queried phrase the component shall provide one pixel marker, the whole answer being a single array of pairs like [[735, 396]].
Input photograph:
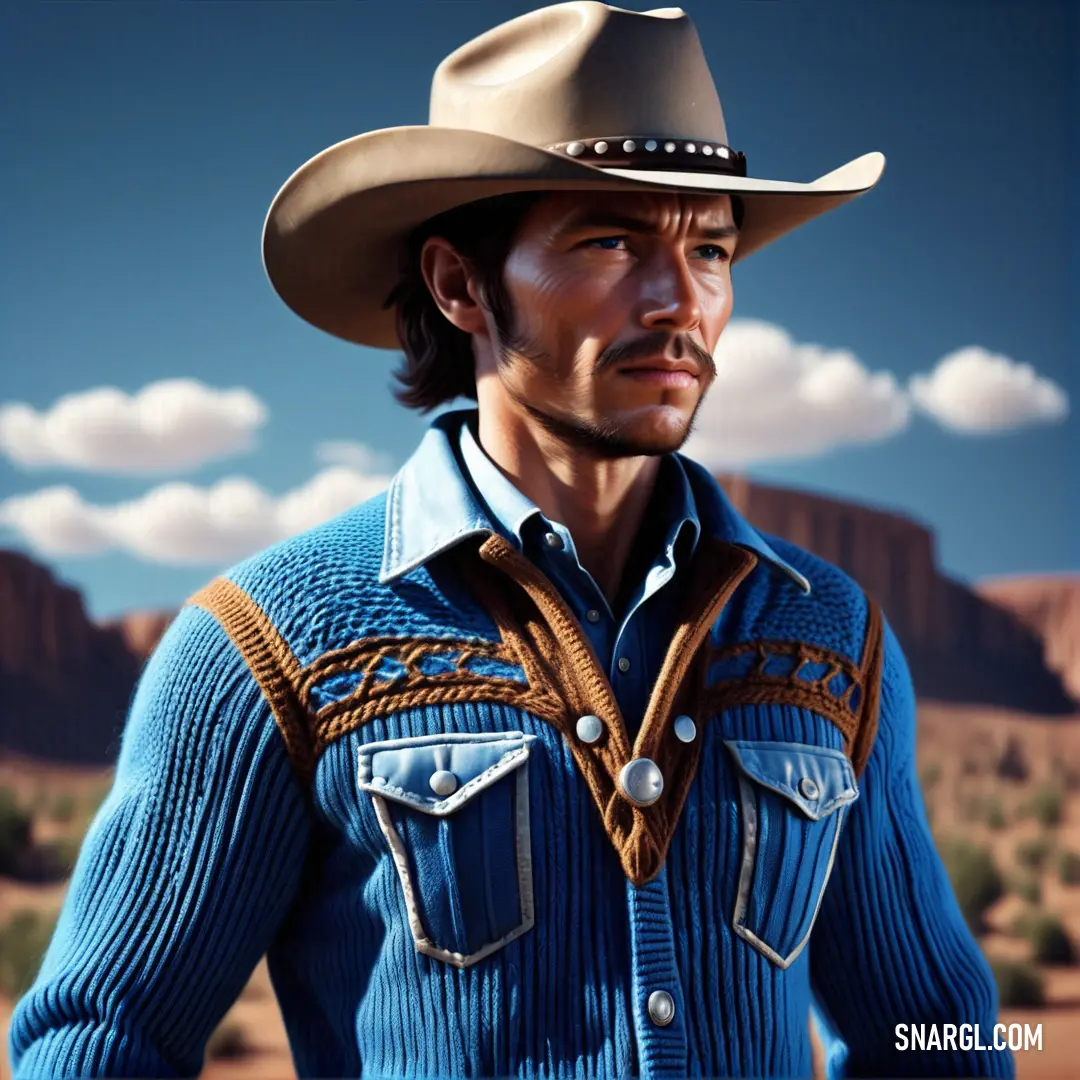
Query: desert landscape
[[996, 667]]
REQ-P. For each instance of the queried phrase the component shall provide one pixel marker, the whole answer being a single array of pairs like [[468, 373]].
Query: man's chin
[[650, 433], [659, 430], [648, 436]]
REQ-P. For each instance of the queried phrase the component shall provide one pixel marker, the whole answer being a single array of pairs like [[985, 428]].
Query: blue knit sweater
[[407, 781]]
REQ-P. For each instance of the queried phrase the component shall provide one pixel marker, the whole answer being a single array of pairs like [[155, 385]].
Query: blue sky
[[144, 143]]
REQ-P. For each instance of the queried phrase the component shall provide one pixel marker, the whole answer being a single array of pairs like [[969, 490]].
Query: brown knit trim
[[270, 660], [375, 697], [759, 688], [858, 724], [873, 659], [538, 626]]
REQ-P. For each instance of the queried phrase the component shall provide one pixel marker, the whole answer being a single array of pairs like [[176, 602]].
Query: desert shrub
[[1032, 853], [1069, 868], [1050, 944], [1027, 887], [15, 828], [982, 807], [975, 879], [1022, 922], [1019, 986], [1046, 805], [227, 1041], [23, 941], [930, 775], [969, 808], [63, 808], [994, 813]]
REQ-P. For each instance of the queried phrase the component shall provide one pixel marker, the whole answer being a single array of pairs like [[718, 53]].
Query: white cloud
[[170, 425], [973, 391], [775, 398], [180, 524], [353, 455]]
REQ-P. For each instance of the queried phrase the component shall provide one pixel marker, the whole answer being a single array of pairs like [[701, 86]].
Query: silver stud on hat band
[[628, 152]]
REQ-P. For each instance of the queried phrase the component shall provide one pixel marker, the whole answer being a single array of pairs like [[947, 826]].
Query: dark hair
[[438, 363]]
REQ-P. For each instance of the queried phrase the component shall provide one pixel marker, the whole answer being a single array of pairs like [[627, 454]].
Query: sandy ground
[[960, 744]]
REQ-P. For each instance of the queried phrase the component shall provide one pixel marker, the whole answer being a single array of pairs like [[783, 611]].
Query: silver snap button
[[685, 729], [553, 541], [589, 728], [661, 1008], [808, 788], [624, 664], [592, 615], [443, 782], [641, 781]]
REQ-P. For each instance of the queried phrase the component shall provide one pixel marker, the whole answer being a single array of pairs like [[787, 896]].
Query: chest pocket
[[792, 800], [454, 809]]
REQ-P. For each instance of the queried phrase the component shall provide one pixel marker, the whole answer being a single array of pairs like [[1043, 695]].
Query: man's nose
[[670, 300]]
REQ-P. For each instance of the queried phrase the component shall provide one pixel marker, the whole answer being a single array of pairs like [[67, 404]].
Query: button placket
[[659, 1016]]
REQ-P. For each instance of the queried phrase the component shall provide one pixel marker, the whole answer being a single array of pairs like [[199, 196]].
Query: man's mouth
[[680, 374]]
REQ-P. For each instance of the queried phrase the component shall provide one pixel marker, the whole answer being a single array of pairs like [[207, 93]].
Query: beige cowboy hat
[[574, 96]]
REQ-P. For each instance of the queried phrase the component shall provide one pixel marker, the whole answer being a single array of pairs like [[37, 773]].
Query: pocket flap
[[460, 764], [815, 778]]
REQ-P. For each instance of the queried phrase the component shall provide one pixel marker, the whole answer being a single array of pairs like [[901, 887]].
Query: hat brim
[[335, 233]]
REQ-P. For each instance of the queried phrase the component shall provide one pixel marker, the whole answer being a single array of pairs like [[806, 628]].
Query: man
[[545, 762]]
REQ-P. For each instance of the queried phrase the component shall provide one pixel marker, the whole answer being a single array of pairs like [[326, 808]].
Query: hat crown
[[581, 70]]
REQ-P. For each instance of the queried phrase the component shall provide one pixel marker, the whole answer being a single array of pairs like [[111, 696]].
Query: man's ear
[[452, 284]]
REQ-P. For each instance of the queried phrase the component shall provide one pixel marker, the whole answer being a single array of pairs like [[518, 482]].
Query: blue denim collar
[[431, 506], [511, 511]]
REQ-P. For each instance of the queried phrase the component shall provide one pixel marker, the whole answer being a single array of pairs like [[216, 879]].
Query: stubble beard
[[602, 440]]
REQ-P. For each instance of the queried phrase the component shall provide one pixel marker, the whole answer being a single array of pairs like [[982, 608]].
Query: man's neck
[[601, 501]]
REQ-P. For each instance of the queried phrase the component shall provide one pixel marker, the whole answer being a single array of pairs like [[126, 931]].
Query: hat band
[[648, 152]]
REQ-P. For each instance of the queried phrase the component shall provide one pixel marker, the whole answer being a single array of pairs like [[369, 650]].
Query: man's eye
[[714, 253], [607, 243]]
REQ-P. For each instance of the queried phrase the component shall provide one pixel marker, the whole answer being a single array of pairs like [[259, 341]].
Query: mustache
[[659, 343]]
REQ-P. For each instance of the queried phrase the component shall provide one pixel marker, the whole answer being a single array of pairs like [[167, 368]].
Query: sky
[[162, 413]]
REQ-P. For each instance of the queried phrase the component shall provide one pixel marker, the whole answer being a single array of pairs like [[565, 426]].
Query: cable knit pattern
[[211, 850]]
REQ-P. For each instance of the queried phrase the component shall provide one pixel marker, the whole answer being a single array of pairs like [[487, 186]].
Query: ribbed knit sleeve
[[891, 946], [186, 872]]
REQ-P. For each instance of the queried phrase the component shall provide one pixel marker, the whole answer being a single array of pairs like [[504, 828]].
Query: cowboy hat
[[577, 95]]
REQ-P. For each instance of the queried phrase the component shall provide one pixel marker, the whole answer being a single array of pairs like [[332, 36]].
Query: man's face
[[618, 301]]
